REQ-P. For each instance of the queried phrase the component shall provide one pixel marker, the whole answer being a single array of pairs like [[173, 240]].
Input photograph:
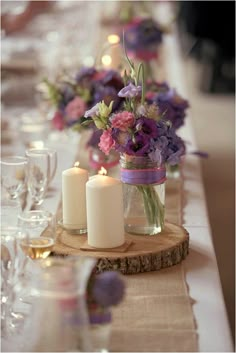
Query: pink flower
[[75, 109], [57, 121], [106, 141], [123, 121]]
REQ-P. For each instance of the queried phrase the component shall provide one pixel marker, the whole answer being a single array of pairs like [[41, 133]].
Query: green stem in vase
[[154, 209]]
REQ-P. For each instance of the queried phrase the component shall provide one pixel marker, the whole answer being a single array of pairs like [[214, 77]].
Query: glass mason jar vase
[[144, 195]]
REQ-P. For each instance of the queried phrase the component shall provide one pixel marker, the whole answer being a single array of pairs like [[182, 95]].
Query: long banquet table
[[200, 267]]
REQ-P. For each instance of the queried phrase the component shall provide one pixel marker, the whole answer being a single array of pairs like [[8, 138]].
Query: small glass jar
[[173, 171], [144, 195], [98, 159]]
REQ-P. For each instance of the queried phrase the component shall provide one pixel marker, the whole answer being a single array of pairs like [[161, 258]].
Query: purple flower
[[146, 126], [141, 34], [172, 106], [130, 91], [92, 112], [108, 288], [95, 138], [107, 94], [85, 73], [138, 145]]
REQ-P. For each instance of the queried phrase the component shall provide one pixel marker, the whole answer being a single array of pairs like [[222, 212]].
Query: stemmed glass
[[12, 265], [14, 175], [41, 227], [38, 175], [52, 153]]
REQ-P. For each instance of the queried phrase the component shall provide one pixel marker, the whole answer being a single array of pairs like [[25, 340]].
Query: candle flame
[[102, 171], [76, 164]]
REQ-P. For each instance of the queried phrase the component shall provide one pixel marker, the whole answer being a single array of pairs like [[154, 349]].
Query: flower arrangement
[[142, 38], [72, 96], [171, 105], [138, 130], [103, 291]]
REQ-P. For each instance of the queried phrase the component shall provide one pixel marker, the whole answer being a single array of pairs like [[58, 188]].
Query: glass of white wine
[[41, 228]]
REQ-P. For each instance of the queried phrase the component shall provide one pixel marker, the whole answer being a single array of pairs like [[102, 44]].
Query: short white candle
[[105, 214], [74, 198]]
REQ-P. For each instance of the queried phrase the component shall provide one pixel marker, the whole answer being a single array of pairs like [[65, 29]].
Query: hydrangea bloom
[[171, 105]]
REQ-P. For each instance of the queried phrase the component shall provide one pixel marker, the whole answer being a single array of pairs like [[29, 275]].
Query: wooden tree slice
[[146, 253]]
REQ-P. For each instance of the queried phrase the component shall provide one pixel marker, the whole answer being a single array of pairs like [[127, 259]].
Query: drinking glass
[[10, 209], [14, 175], [34, 129], [52, 153], [41, 227], [12, 265], [38, 175]]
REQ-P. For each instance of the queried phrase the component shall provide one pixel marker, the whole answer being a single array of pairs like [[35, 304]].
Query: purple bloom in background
[[157, 87], [107, 94], [172, 106], [95, 138], [67, 95], [142, 33], [130, 91], [108, 288], [85, 74]]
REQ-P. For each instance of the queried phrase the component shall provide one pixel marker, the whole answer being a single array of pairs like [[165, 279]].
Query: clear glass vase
[[144, 195]]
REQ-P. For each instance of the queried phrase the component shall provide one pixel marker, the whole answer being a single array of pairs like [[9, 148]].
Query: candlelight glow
[[106, 60], [102, 171], [76, 164], [113, 39]]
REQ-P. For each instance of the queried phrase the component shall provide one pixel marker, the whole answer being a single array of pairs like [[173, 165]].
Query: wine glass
[[14, 175], [12, 265], [52, 153], [41, 227], [38, 175], [34, 129], [9, 211]]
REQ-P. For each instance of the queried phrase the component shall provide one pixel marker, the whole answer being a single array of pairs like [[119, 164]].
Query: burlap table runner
[[156, 314]]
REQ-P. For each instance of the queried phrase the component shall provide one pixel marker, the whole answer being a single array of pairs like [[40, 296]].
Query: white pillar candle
[[105, 214], [74, 198]]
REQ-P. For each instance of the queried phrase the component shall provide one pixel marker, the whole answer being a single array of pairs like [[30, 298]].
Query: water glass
[[34, 129], [12, 265], [14, 175], [41, 227], [52, 153], [38, 174], [10, 209]]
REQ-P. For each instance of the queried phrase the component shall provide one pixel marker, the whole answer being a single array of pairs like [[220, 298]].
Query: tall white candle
[[74, 198], [105, 214]]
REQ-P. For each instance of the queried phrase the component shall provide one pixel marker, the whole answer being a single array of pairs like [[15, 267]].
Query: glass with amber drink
[[41, 229]]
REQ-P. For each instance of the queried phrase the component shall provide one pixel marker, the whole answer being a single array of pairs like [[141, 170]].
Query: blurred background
[[61, 32]]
